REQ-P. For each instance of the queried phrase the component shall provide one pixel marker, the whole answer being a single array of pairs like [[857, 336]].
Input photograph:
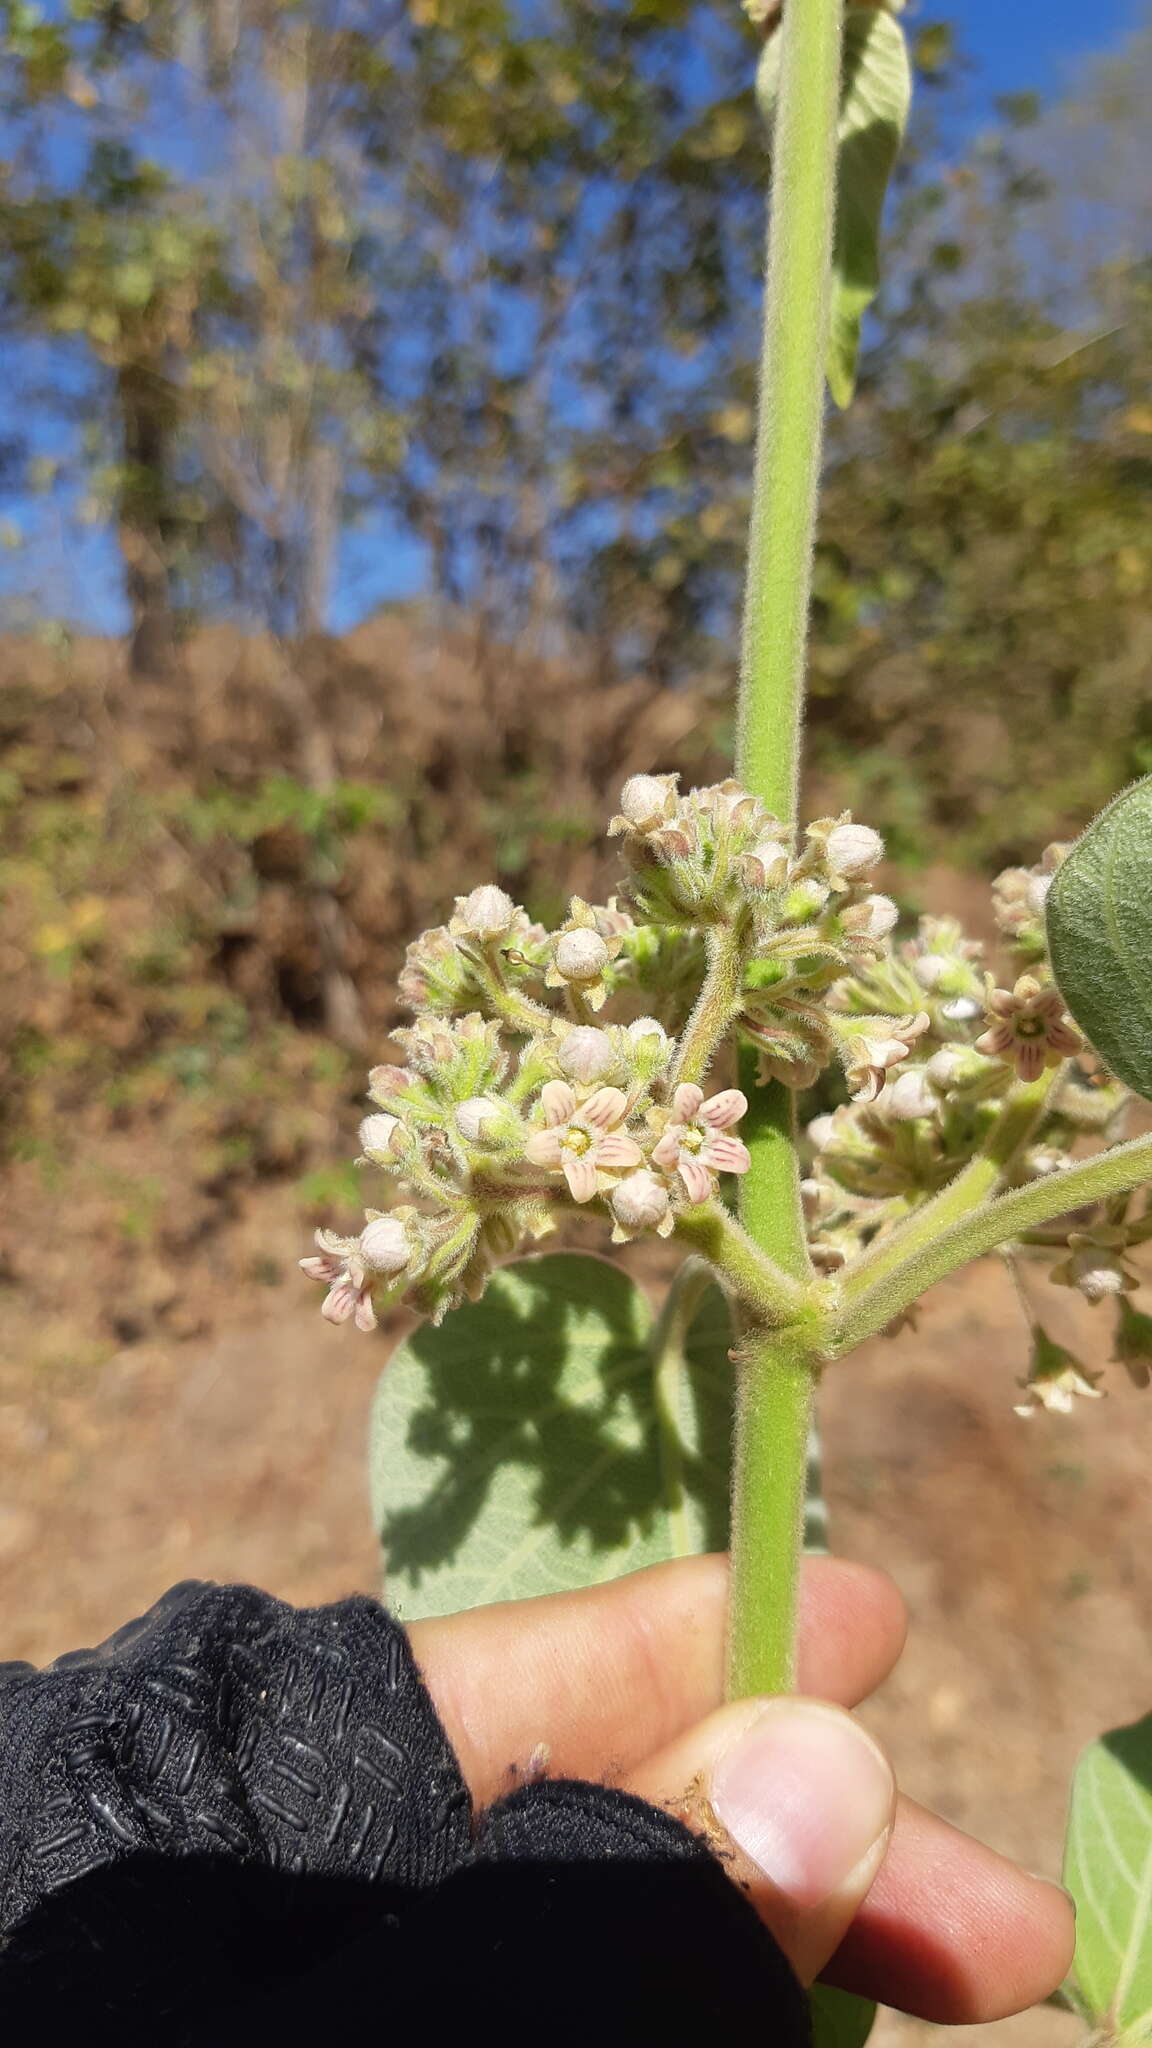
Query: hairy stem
[[1014, 1127], [774, 1417], [764, 1293], [774, 1385], [790, 429], [719, 1003], [1007, 1216]]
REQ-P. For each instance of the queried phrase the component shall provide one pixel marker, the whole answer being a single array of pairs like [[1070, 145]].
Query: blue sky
[[1034, 44], [1010, 45]]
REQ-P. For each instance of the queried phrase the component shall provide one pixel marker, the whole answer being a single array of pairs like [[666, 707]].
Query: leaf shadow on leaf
[[502, 1392]]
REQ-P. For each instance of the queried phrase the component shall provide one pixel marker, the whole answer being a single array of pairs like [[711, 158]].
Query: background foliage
[[289, 288]]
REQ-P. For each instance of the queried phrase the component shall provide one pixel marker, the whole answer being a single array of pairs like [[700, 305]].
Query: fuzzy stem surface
[[1005, 1217], [775, 1381]]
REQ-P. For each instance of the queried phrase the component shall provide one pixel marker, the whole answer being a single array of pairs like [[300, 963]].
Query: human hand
[[623, 1684]]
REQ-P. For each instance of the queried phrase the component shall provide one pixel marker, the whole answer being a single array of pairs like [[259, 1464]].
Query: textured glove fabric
[[234, 1814]]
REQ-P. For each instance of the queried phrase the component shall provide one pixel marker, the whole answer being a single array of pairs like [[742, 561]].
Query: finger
[[953, 1932], [797, 1800], [589, 1683]]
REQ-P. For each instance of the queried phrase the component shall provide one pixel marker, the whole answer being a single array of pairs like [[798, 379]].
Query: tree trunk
[[147, 526]]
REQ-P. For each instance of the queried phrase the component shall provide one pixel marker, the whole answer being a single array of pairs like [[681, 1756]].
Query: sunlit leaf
[[1108, 1870], [527, 1446], [1099, 916]]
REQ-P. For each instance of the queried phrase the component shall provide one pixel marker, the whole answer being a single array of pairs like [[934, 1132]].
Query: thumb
[[796, 1800]]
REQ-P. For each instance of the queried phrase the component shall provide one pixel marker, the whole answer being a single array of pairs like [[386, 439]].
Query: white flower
[[930, 969], [1095, 1264], [472, 1117], [580, 956], [868, 1060], [640, 1202], [377, 1134], [694, 1143], [586, 1054], [583, 1140], [852, 849]]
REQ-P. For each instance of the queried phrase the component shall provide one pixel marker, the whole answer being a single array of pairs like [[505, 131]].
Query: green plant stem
[[1014, 1127], [790, 429], [764, 1292], [1022, 1209], [775, 1380], [720, 1002], [774, 1417]]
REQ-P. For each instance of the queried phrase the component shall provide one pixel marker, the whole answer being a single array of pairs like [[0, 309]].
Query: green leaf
[[839, 2018], [526, 1446], [1099, 915], [875, 95], [1108, 1870]]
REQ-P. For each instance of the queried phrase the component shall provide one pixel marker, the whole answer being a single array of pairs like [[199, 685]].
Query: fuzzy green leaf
[[1099, 916], [839, 2018], [1108, 1870], [875, 95], [518, 1449]]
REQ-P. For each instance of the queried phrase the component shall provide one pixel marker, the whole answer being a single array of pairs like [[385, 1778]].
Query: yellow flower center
[[1029, 1027], [577, 1140], [693, 1139]]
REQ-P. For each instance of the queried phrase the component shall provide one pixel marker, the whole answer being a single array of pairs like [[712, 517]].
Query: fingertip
[[852, 1627]]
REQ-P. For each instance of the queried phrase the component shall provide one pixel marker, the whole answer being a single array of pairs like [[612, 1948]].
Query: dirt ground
[[1020, 1545]]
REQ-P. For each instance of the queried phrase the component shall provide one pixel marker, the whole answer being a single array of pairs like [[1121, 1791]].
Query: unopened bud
[[853, 849], [931, 968], [384, 1246], [950, 1067], [961, 1010], [376, 1136], [581, 955], [765, 866], [821, 1132], [477, 1114], [874, 918], [640, 1202], [910, 1096], [586, 1055], [487, 912], [647, 799]]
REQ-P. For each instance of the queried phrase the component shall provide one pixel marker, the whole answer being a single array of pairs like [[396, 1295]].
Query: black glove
[[235, 1814]]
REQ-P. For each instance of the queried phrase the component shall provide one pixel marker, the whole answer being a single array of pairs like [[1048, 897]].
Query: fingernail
[[806, 1795]]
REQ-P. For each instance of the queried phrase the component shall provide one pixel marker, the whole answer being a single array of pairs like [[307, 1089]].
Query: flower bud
[[646, 800], [874, 918], [640, 1201], [853, 849], [487, 913], [477, 1117], [910, 1096], [585, 1054], [821, 1132], [961, 1010], [580, 955], [377, 1135], [384, 1246], [765, 866], [931, 968]]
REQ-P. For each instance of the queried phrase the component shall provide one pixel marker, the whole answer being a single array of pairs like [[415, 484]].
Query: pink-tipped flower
[[583, 1140], [697, 1143], [341, 1269], [1029, 1028]]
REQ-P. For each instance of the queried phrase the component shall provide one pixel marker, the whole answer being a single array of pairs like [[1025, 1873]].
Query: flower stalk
[[774, 1387]]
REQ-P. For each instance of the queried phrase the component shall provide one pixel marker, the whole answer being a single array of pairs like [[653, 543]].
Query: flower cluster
[[527, 1087]]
